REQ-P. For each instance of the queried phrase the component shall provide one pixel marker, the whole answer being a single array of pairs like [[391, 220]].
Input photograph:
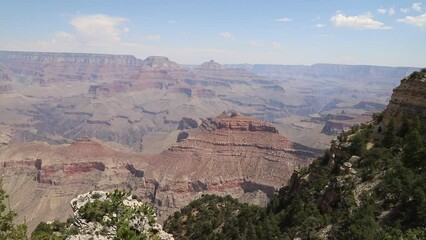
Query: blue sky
[[376, 32]]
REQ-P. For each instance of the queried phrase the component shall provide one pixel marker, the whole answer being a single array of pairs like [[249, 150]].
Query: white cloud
[[419, 21], [404, 10], [319, 25], [382, 10], [91, 33], [285, 19], [391, 11], [417, 6], [153, 37], [63, 37], [226, 35], [99, 28], [357, 22]]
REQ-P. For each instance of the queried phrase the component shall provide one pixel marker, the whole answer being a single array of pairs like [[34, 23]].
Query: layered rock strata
[[229, 154], [409, 97]]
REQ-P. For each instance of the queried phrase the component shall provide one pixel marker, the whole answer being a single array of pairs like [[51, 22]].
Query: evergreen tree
[[413, 150], [390, 135], [358, 144], [8, 230]]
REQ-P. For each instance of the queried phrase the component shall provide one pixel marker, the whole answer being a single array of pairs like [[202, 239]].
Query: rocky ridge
[[337, 123], [59, 97], [139, 217], [211, 65], [157, 62], [230, 154], [409, 97], [99, 215], [236, 122], [87, 58], [368, 185]]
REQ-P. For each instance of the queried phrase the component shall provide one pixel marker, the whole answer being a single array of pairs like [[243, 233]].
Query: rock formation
[[58, 67], [155, 62], [228, 154], [409, 98], [337, 123], [188, 123], [59, 97], [211, 65], [5, 88], [125, 212], [5, 139], [99, 215], [45, 58]]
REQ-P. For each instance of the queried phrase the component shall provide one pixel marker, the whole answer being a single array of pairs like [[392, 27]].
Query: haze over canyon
[[75, 122]]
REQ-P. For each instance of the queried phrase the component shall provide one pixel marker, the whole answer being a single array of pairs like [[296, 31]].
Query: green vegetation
[[417, 74], [110, 216], [214, 217], [371, 184], [53, 231], [9, 230]]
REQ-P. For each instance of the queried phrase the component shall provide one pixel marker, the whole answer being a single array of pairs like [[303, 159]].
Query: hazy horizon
[[207, 60], [237, 32]]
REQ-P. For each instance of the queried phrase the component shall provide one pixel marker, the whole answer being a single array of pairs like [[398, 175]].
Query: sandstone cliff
[[58, 97], [337, 123], [157, 62], [44, 68], [211, 65], [229, 154], [409, 97]]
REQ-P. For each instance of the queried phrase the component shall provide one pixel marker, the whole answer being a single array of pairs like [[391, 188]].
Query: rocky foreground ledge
[[100, 215]]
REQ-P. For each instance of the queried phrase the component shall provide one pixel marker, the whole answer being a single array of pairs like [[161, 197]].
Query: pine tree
[[8, 230], [390, 135]]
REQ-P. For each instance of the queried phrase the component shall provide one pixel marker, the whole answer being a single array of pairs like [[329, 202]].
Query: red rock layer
[[229, 154]]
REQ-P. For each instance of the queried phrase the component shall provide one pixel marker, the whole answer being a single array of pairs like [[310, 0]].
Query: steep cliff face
[[211, 65], [337, 123], [228, 154], [237, 122], [87, 58], [215, 71], [373, 74], [370, 184], [158, 62], [44, 68], [42, 178], [59, 97], [409, 97]]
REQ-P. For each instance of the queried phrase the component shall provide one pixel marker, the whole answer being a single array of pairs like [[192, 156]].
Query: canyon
[[71, 123], [120, 99], [226, 155]]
